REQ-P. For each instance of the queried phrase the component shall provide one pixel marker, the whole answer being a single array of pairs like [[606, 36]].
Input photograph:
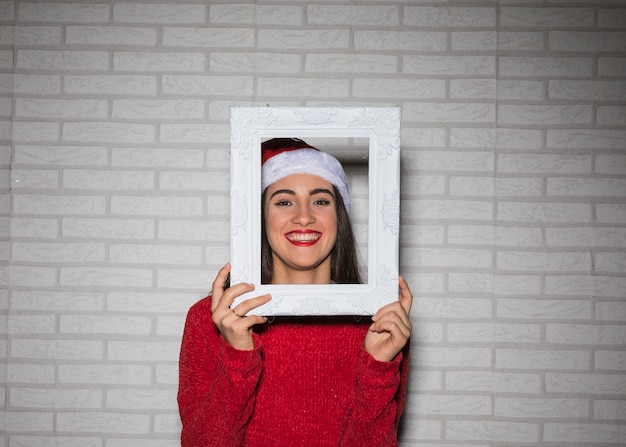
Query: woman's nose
[[303, 215]]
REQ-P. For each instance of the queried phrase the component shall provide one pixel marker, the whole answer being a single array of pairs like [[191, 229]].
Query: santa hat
[[281, 157]]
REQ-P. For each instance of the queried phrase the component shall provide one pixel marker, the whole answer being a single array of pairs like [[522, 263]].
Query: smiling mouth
[[303, 237]]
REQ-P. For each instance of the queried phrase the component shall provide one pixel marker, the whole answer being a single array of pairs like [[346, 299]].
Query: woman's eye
[[283, 203], [322, 202]]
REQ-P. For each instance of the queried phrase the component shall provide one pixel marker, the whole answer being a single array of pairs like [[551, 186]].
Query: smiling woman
[[306, 235], [249, 379]]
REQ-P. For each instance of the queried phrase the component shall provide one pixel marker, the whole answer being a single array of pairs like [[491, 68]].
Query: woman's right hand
[[234, 325]]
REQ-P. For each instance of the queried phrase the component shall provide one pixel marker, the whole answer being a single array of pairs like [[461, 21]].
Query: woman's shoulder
[[200, 308]]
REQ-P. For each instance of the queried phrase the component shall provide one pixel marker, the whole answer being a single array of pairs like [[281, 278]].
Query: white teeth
[[303, 237]]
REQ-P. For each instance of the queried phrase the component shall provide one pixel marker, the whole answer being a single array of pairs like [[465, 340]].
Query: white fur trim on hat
[[306, 161]]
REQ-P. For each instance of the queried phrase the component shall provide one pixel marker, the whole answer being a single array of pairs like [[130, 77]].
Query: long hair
[[344, 265]]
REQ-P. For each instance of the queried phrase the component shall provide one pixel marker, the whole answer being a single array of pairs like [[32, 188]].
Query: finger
[[246, 306], [393, 312], [397, 331], [217, 288], [395, 308], [405, 295], [232, 293]]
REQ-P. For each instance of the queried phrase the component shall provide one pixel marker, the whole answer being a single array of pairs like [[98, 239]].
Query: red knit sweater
[[308, 382]]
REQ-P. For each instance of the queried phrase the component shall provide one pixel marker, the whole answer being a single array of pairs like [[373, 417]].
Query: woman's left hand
[[391, 328]]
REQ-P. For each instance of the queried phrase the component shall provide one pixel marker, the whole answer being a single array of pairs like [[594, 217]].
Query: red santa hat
[[281, 157]]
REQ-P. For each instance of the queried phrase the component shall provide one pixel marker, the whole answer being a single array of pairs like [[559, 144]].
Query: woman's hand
[[391, 328], [233, 324]]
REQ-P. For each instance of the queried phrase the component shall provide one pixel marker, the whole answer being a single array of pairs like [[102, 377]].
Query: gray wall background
[[114, 207]]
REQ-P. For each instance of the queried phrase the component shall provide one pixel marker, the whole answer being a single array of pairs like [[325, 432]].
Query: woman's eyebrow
[[321, 191], [311, 193], [283, 191]]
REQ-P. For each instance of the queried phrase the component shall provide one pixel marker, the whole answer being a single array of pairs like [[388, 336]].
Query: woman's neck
[[319, 275]]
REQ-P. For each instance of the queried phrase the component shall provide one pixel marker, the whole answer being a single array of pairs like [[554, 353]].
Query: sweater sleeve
[[217, 383], [378, 402]]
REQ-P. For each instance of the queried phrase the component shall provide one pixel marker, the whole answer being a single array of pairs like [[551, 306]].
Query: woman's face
[[301, 226]]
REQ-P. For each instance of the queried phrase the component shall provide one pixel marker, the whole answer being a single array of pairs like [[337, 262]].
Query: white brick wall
[[114, 202]]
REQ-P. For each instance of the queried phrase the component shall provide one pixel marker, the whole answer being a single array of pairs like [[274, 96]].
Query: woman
[[299, 381]]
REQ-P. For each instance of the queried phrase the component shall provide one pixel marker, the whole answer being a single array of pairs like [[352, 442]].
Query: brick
[[399, 40], [212, 37], [600, 384], [119, 133], [583, 432], [158, 157], [66, 205], [304, 39], [57, 301], [455, 112], [436, 65], [47, 441], [303, 87], [51, 349], [142, 351], [584, 138], [159, 62], [609, 409], [93, 324], [398, 88], [102, 422], [453, 308], [27, 373], [36, 83], [541, 408], [611, 66], [348, 63], [587, 90], [55, 398], [458, 17], [544, 212], [499, 431], [450, 404], [34, 179], [125, 399], [154, 254], [545, 114], [108, 228], [258, 62], [520, 40], [110, 84], [256, 14], [63, 12], [110, 35], [56, 108], [37, 35], [67, 60], [565, 309], [57, 252], [586, 41], [179, 13], [585, 334], [105, 277], [541, 359], [587, 187], [545, 163], [147, 302], [61, 155], [528, 66], [104, 374], [546, 17], [352, 15]]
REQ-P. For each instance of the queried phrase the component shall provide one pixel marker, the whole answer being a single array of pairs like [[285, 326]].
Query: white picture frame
[[381, 127]]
